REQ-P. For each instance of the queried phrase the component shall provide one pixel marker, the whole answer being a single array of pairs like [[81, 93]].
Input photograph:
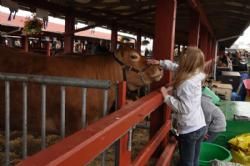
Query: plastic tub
[[210, 152]]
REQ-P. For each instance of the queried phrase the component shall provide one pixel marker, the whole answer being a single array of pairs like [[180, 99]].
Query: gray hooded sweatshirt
[[215, 119]]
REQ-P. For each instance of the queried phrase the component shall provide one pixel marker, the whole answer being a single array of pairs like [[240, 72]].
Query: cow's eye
[[134, 56]]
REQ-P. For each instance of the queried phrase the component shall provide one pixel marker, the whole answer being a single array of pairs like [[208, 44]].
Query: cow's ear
[[134, 57]]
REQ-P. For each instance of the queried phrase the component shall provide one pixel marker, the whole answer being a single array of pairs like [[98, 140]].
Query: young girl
[[186, 103]]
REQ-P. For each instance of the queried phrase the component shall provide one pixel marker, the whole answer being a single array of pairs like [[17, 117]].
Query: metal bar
[[62, 81], [124, 156], [43, 115], [103, 158], [97, 136], [25, 129], [130, 135], [105, 112], [105, 102], [84, 106], [117, 143], [63, 94], [7, 123]]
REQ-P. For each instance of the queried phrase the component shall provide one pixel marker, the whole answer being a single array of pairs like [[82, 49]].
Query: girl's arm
[[166, 64], [177, 105]]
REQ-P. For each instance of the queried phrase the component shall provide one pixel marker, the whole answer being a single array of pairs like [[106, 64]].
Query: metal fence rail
[[24, 79], [54, 80], [103, 133]]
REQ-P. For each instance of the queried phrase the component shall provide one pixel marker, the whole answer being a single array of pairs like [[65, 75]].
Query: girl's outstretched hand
[[153, 62], [165, 91]]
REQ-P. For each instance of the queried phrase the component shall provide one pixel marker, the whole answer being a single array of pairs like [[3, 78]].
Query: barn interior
[[221, 23]]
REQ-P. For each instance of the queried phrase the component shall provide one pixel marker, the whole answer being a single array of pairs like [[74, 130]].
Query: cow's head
[[138, 72]]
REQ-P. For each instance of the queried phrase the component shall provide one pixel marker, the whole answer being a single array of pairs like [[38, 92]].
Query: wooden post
[[114, 38], [163, 48], [164, 39], [69, 37], [204, 41], [178, 49], [25, 43], [213, 48], [208, 48], [48, 52], [138, 42], [124, 157], [194, 29]]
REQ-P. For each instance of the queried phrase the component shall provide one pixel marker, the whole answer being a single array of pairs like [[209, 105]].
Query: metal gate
[[43, 81]]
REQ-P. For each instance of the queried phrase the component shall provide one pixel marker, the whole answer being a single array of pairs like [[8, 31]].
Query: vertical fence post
[[43, 114], [25, 129], [105, 112], [124, 150], [84, 104], [63, 96], [7, 123]]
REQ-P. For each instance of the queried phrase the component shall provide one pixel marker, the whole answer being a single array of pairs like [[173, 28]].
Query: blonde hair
[[191, 62]]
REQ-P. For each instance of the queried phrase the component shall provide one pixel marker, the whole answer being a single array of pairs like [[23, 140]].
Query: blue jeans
[[189, 147]]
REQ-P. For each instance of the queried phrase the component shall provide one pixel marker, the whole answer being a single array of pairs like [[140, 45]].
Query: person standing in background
[[215, 119]]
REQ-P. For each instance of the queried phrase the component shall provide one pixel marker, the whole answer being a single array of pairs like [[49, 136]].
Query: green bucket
[[210, 152]]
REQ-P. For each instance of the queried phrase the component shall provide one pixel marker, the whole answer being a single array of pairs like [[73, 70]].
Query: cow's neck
[[135, 81]]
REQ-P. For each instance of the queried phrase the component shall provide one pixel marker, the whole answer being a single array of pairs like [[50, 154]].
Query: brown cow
[[88, 67]]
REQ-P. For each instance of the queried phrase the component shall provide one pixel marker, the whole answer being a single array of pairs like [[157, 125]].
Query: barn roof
[[52, 28], [226, 17]]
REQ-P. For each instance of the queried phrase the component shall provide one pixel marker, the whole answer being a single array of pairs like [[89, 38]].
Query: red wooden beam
[[196, 5], [68, 38], [146, 153], [83, 146], [213, 48], [208, 66], [167, 155], [194, 29], [138, 42], [124, 153], [114, 35], [210, 47], [163, 48], [204, 41], [164, 39], [25, 43], [48, 52]]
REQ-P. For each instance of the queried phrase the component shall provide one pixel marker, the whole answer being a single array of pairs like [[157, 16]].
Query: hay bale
[[16, 145], [2, 143], [15, 134], [13, 157], [34, 145], [52, 139]]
